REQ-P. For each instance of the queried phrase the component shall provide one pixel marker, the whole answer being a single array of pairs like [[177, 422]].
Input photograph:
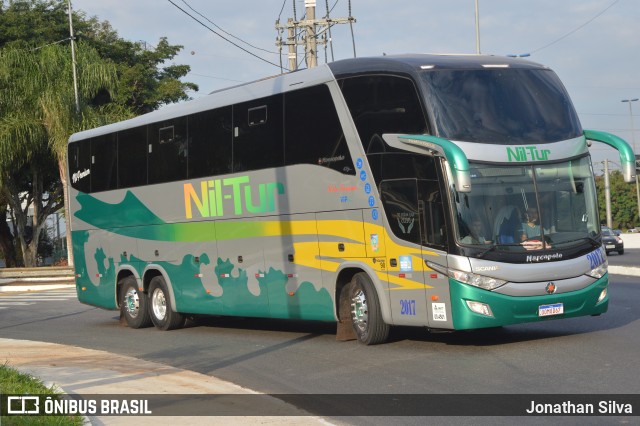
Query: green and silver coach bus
[[439, 191]]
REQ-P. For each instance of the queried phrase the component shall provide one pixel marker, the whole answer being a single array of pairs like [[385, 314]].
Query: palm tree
[[37, 116]]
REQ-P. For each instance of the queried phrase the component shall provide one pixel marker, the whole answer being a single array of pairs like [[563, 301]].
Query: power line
[[304, 32], [50, 44], [221, 36], [281, 9], [226, 32], [579, 28]]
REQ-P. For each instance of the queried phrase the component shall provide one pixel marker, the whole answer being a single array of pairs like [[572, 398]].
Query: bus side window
[[80, 166], [258, 141], [132, 157], [210, 143], [168, 151], [313, 133], [383, 104], [104, 163]]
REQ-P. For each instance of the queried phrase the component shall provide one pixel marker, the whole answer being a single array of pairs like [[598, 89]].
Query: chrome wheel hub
[[360, 311], [159, 304], [132, 302]]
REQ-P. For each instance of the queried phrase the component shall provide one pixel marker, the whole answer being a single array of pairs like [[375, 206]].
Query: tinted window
[[313, 134], [411, 196], [132, 157], [80, 165], [168, 150], [210, 139], [431, 211], [400, 201], [383, 104], [104, 167], [401, 164], [258, 143], [505, 106]]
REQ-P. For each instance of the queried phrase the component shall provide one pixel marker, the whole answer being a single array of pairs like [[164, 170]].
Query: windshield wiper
[[595, 243], [487, 250]]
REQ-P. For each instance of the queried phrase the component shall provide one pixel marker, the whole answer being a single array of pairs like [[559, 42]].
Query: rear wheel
[[162, 315], [621, 251], [366, 316], [133, 303]]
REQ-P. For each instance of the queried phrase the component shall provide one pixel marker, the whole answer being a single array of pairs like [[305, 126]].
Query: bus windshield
[[528, 207], [500, 106]]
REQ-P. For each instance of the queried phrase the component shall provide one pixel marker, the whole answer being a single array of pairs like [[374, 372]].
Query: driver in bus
[[530, 228]]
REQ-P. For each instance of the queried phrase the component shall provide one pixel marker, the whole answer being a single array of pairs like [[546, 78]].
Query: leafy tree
[[37, 115], [146, 80], [37, 109], [145, 84], [624, 203], [37, 22]]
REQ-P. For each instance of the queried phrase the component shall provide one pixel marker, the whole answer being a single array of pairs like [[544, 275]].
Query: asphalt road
[[631, 257], [581, 355]]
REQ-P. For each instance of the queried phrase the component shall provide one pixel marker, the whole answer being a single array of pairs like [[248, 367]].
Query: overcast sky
[[597, 59]]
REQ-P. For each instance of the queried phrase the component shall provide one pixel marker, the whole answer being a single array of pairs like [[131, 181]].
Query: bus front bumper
[[506, 310]]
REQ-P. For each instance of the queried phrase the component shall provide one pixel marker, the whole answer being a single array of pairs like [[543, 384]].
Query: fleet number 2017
[[407, 307]]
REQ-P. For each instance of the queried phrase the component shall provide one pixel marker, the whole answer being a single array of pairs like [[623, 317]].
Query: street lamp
[[633, 143], [477, 28]]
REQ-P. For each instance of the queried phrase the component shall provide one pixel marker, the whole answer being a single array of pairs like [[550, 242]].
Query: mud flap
[[344, 331]]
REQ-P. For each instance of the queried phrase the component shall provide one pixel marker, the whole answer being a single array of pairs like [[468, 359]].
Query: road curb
[[81, 371], [624, 270]]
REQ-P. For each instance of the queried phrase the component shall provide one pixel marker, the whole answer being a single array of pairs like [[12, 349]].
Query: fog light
[[479, 308], [603, 294]]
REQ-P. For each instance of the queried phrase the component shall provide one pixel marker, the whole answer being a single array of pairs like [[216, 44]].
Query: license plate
[[548, 310], [610, 246]]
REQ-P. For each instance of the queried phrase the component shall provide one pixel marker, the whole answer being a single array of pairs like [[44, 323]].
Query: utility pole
[[291, 39], [477, 29], [313, 34], [312, 53], [633, 142], [73, 60], [607, 193]]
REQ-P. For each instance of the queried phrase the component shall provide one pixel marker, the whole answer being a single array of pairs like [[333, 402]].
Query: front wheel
[[133, 304], [162, 315], [366, 316]]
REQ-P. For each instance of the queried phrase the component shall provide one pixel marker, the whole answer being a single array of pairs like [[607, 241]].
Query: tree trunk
[[62, 166], [6, 240]]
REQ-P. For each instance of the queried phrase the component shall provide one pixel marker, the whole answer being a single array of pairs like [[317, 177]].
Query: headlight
[[488, 283], [481, 281], [599, 271]]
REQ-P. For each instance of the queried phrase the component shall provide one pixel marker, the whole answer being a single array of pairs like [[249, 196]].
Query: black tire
[[608, 253], [163, 317], [621, 251], [366, 316], [133, 303]]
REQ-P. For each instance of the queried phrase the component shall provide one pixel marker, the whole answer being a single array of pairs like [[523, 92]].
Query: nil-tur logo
[[527, 153], [209, 199]]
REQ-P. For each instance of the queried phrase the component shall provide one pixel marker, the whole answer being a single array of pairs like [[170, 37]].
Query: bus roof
[[418, 62], [408, 63], [229, 96]]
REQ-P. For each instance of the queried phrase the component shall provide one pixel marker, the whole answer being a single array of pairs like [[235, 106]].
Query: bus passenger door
[[434, 249], [407, 292]]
